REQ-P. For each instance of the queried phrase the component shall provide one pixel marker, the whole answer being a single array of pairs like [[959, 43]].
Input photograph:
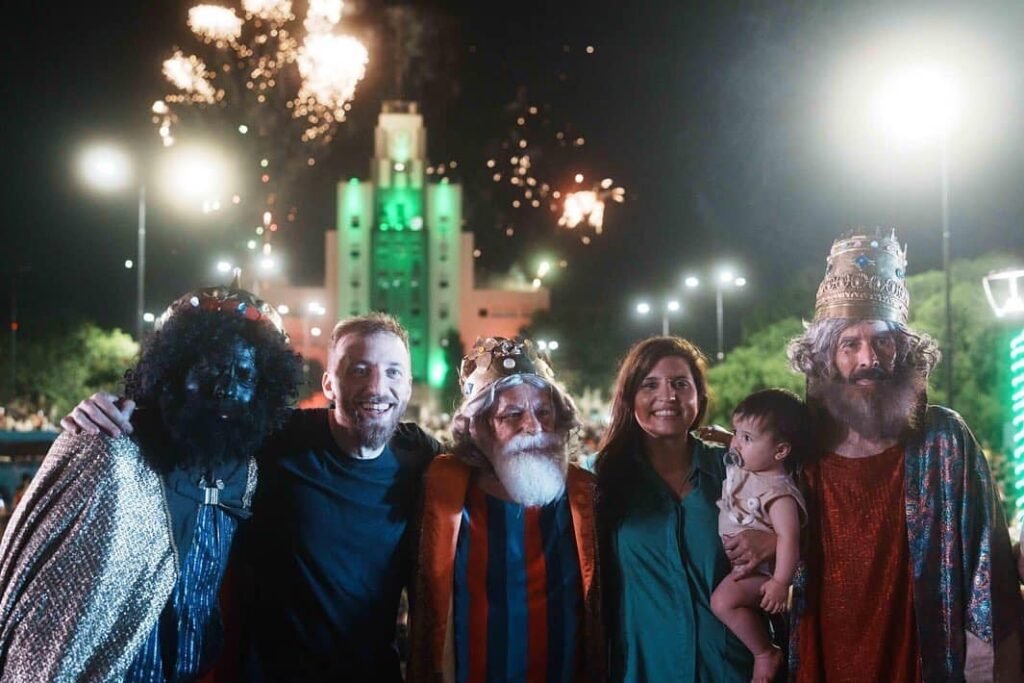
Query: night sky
[[714, 116]]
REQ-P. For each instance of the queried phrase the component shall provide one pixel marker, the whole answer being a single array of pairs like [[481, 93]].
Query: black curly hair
[[156, 384]]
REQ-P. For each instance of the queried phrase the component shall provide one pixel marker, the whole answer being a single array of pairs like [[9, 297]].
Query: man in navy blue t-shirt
[[330, 553], [327, 551]]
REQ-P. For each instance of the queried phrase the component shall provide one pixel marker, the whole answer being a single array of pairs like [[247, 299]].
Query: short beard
[[374, 434], [532, 468], [199, 438], [887, 410]]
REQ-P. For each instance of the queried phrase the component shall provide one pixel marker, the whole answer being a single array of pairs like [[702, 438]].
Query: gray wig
[[813, 352]]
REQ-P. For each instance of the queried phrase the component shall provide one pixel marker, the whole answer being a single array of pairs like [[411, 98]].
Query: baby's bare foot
[[767, 665]]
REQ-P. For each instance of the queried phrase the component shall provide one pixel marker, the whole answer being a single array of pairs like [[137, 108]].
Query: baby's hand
[[774, 596]]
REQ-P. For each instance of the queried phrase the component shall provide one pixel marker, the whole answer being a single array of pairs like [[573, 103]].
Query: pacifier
[[733, 457]]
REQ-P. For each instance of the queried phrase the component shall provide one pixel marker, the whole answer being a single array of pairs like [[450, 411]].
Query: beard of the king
[[889, 409]]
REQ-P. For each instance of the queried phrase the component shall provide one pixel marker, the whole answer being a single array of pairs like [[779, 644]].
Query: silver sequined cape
[[86, 564]]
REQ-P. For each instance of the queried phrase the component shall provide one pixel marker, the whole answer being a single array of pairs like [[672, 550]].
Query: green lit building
[[397, 246]]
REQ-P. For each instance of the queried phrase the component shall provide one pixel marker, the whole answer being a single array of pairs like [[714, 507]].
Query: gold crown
[[865, 279], [492, 358]]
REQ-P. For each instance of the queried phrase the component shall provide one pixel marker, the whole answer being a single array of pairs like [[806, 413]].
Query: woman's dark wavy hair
[[188, 335], [615, 465]]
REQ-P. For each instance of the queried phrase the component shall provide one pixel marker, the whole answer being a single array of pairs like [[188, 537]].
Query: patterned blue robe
[[967, 599]]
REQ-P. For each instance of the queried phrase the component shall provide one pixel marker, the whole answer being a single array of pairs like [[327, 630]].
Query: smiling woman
[[657, 516]]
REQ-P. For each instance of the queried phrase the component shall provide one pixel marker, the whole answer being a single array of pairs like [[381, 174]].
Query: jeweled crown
[[865, 279], [492, 358], [231, 299]]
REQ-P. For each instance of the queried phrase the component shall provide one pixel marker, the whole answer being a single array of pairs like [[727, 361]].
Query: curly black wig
[[156, 384]]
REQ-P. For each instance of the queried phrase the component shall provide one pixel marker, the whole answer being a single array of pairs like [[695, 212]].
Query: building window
[[354, 253], [443, 284], [355, 284], [482, 313], [354, 222]]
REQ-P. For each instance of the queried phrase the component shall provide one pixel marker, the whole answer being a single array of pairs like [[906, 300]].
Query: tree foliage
[[759, 363], [60, 365]]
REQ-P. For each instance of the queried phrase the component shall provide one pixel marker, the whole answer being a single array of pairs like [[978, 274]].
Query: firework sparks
[[529, 167], [323, 16], [190, 75], [282, 87], [588, 206], [213, 23], [330, 66], [270, 10]]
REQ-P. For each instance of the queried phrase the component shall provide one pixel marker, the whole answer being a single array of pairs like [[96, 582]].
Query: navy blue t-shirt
[[330, 553]]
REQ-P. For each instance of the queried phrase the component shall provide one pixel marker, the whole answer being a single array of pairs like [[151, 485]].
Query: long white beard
[[532, 468]]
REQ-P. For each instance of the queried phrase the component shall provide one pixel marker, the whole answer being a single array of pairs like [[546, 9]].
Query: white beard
[[532, 468]]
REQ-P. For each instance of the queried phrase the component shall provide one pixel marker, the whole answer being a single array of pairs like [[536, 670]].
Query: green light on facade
[[1017, 414], [445, 198], [353, 198], [438, 371]]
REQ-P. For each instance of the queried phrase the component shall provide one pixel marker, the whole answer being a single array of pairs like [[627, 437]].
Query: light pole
[[671, 306], [725, 278], [920, 104], [190, 173]]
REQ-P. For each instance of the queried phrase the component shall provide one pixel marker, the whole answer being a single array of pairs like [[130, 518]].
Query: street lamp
[[921, 105], [189, 173], [725, 278], [671, 306]]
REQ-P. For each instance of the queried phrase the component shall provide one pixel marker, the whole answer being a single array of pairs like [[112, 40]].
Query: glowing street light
[[109, 168], [671, 306], [223, 266], [922, 104], [725, 278]]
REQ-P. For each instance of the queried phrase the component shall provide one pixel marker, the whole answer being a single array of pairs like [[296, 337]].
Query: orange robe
[[864, 626]]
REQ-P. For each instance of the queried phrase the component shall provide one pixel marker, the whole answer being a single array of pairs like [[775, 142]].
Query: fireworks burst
[[534, 167], [286, 95], [587, 206]]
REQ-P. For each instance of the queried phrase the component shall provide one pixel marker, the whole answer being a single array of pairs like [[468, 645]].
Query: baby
[[772, 433]]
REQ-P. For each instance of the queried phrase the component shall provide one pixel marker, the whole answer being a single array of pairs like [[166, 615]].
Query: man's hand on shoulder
[[100, 413]]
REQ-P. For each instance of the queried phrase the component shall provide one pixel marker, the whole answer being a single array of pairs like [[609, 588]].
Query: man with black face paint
[[328, 552], [111, 565]]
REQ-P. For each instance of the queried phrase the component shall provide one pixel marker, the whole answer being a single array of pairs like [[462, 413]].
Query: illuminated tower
[[398, 242]]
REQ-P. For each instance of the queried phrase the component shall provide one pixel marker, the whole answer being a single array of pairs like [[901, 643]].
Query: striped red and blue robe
[[503, 593], [517, 595]]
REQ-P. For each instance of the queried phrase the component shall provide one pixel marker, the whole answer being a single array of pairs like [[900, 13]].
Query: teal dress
[[665, 560]]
